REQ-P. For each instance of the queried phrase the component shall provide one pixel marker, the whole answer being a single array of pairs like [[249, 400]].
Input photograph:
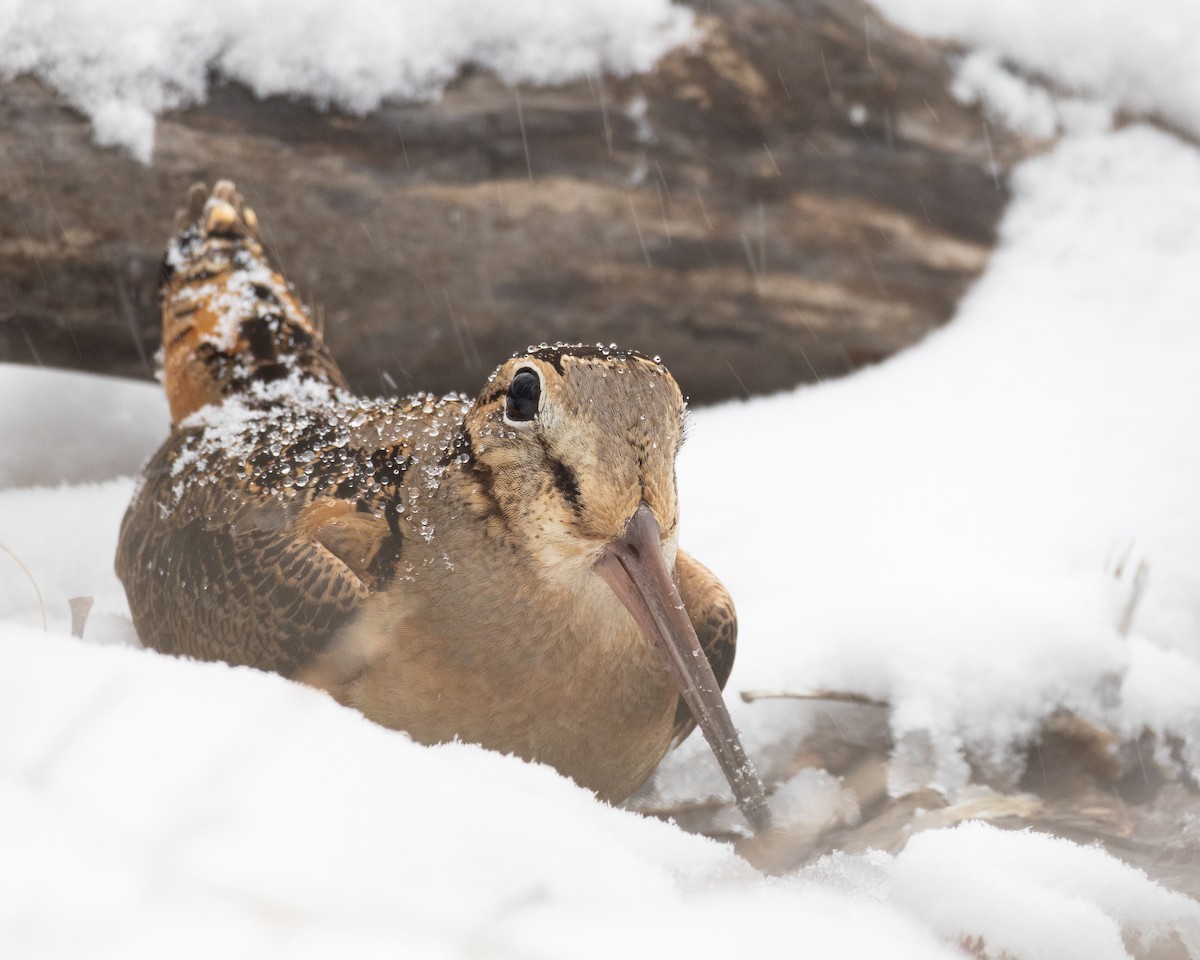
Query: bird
[[502, 569]]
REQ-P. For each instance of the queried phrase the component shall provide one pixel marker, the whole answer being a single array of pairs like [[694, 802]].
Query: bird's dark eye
[[523, 395]]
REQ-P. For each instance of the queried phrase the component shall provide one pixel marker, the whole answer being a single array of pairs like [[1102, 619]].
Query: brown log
[[794, 198]]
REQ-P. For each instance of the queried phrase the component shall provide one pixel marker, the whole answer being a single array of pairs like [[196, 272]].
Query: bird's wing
[[216, 571], [710, 609]]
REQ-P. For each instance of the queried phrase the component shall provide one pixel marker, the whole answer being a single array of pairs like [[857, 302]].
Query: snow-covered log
[[790, 192]]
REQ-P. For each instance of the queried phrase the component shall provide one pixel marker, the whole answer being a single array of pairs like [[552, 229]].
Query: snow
[[1023, 105], [146, 800], [1140, 59], [958, 531], [36, 405], [124, 63], [1022, 894], [951, 518]]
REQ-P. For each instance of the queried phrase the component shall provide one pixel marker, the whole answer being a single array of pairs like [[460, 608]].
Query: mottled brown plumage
[[442, 564]]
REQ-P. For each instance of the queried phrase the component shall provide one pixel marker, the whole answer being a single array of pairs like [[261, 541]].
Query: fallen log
[[794, 197]]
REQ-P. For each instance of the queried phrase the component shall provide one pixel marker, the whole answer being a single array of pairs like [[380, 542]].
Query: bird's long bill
[[633, 566]]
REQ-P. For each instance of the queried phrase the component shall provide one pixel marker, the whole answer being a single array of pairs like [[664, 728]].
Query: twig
[[751, 696], [1136, 590], [36, 589], [1136, 583], [80, 608]]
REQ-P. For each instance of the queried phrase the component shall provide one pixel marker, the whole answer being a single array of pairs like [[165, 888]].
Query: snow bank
[[1139, 58], [150, 805], [1026, 895], [69, 427], [941, 531], [66, 539], [124, 63]]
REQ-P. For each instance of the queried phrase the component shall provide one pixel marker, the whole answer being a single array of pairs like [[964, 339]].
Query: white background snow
[[940, 531]]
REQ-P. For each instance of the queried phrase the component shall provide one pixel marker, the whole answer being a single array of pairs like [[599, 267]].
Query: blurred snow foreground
[[958, 532]]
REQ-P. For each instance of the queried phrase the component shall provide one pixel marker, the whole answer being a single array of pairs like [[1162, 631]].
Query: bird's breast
[[564, 678]]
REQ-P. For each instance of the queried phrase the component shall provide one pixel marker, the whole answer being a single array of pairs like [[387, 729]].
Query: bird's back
[[262, 523], [261, 526]]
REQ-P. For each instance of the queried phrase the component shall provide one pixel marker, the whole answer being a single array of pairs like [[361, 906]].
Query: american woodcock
[[503, 570]]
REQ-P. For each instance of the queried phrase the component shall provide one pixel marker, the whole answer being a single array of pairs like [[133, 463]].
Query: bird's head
[[573, 453], [569, 442]]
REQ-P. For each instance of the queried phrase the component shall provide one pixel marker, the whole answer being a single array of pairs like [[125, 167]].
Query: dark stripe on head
[[555, 353], [566, 482], [495, 390]]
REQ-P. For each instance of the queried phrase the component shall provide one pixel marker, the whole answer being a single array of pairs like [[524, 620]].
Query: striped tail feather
[[230, 320]]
